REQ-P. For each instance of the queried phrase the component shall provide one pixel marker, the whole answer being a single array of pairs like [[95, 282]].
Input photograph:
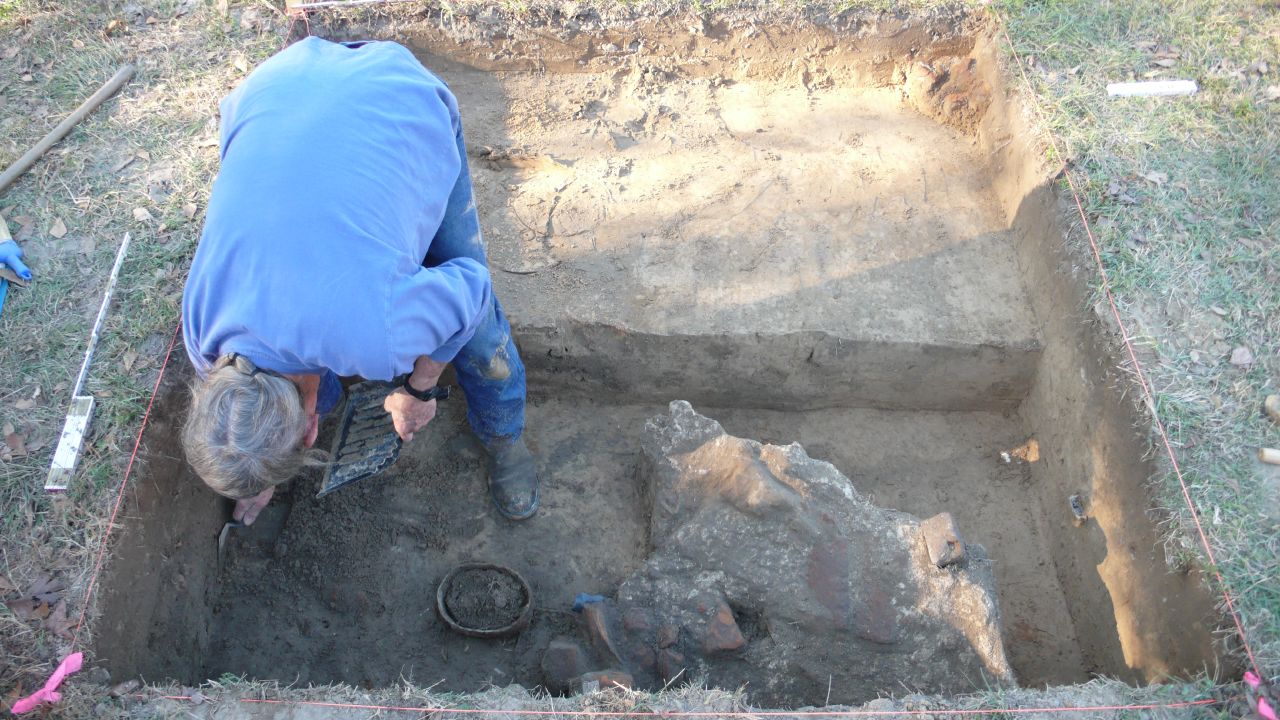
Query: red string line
[[1133, 358], [1106, 286], [128, 470], [713, 714]]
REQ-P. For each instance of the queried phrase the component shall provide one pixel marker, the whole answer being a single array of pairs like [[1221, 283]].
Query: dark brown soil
[[484, 599]]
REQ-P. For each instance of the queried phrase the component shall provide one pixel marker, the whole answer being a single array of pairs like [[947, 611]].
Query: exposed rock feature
[[768, 564], [949, 90]]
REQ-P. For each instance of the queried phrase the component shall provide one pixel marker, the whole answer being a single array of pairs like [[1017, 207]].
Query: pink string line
[[128, 470], [1133, 358], [714, 714]]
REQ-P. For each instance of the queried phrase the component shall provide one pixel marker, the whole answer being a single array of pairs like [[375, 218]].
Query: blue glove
[[11, 255]]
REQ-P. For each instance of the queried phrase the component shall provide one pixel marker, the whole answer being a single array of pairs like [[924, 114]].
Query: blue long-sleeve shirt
[[336, 166]]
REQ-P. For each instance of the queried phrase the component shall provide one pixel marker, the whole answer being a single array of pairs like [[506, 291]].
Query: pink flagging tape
[[1258, 697], [49, 693], [1139, 372]]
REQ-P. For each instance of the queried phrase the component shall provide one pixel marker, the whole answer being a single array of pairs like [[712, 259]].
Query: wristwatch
[[431, 393]]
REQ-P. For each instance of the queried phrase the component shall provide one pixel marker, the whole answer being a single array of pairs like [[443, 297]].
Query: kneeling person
[[342, 239]]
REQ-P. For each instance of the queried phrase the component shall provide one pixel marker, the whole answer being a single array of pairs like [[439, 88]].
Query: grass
[[1184, 198], [1181, 191], [146, 148]]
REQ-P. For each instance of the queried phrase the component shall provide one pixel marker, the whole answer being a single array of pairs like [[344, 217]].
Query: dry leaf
[[144, 155], [60, 387], [10, 51], [28, 608], [142, 215], [58, 623], [46, 589], [151, 20], [1242, 357], [130, 358], [24, 404], [59, 228], [34, 446], [8, 428], [113, 27], [1272, 92], [6, 585], [189, 210], [77, 44], [37, 602], [17, 444], [240, 63], [1164, 62], [1158, 178]]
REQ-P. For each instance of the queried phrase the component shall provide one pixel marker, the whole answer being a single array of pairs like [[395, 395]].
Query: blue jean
[[488, 367]]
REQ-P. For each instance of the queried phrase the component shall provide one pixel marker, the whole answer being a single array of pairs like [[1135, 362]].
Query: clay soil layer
[[785, 226]]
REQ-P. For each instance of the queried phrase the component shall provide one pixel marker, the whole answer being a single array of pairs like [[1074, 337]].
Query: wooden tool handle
[[1271, 456], [26, 161]]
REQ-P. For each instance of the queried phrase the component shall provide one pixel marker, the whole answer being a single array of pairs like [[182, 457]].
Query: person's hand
[[247, 510], [408, 413]]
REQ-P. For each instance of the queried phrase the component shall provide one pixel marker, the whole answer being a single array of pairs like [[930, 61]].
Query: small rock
[[636, 620], [668, 635], [563, 661], [604, 679], [943, 540], [722, 632], [124, 688], [670, 664], [643, 657], [880, 705], [98, 676]]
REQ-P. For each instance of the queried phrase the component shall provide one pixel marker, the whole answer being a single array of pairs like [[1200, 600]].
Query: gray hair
[[245, 429]]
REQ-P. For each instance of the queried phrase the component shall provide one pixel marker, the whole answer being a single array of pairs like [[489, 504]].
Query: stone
[[836, 589], [636, 620], [942, 540], [722, 632], [605, 679], [670, 664], [668, 635], [949, 90], [643, 657], [562, 661], [880, 705]]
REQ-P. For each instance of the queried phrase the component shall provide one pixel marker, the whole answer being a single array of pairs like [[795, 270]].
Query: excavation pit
[[830, 232]]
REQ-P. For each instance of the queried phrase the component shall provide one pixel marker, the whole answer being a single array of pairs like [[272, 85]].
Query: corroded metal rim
[[516, 626]]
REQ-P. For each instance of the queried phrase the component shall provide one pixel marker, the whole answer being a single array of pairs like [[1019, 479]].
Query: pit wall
[[1093, 440], [164, 563]]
